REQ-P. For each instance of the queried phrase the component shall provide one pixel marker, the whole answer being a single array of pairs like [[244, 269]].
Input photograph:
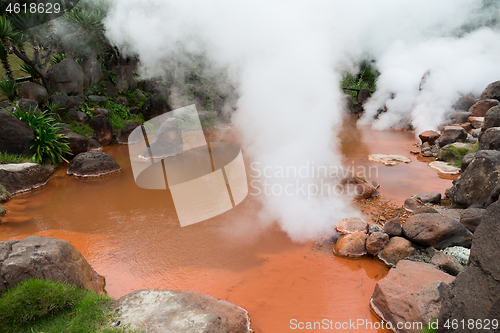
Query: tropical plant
[[53, 107], [57, 58], [50, 145], [4, 58], [9, 88]]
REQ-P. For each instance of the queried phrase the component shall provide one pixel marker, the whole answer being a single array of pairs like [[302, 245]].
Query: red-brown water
[[133, 238]]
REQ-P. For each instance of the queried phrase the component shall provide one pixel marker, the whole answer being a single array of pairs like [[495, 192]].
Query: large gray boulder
[[125, 78], [23, 177], [490, 140], [173, 311], [47, 258], [66, 77], [477, 182], [64, 103], [92, 70], [412, 292], [155, 106], [475, 293], [492, 91], [93, 163], [16, 136], [31, 90], [439, 231], [491, 119]]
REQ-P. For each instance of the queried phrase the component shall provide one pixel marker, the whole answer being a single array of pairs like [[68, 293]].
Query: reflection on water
[[132, 237]]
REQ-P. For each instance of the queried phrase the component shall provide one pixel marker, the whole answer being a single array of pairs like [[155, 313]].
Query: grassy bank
[[49, 307]]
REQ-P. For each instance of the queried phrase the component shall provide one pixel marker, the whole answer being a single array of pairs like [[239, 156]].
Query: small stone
[[476, 122], [389, 160], [447, 263], [376, 242], [351, 245], [428, 197], [372, 227], [393, 227], [444, 168], [411, 204], [398, 249], [351, 225]]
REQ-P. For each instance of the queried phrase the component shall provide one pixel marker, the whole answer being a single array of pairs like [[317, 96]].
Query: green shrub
[[48, 306], [50, 145], [9, 89]]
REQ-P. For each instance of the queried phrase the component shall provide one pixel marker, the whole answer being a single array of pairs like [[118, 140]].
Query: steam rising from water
[[287, 56]]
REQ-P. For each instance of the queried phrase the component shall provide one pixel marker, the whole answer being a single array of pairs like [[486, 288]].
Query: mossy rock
[[454, 152], [4, 194]]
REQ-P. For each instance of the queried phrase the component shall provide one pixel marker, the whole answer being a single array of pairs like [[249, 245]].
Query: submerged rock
[[398, 249], [412, 292], [351, 225], [23, 177], [444, 168], [436, 230], [47, 258], [351, 245], [180, 312], [389, 160], [93, 163]]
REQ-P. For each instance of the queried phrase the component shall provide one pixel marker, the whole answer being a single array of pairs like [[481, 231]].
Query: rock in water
[[47, 258], [429, 136], [477, 182], [475, 293], [413, 292], [92, 164], [389, 160], [23, 177], [351, 245], [398, 249], [351, 225], [180, 312], [154, 107], [444, 168], [102, 129], [167, 141], [436, 230]]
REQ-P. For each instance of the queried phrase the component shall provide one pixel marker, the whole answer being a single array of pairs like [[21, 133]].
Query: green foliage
[[84, 130], [13, 158], [30, 71], [133, 99], [57, 58], [50, 146], [53, 107], [48, 306], [109, 75], [365, 79], [9, 88], [96, 89], [455, 155]]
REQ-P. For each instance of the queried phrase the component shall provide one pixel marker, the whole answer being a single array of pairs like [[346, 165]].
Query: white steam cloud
[[287, 57]]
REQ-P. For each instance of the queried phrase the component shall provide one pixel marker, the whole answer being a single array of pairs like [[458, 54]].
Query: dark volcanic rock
[[77, 143], [31, 90], [411, 293], [490, 140], [452, 134], [47, 258], [93, 163], [477, 181], [126, 130], [66, 77], [167, 141], [125, 78], [471, 218], [78, 116], [64, 103], [461, 117], [23, 177], [92, 70], [491, 119], [475, 293], [180, 312], [110, 88], [465, 102], [492, 91], [393, 227], [16, 136], [99, 100], [154, 107], [102, 129], [436, 230], [466, 160], [363, 96], [28, 105]]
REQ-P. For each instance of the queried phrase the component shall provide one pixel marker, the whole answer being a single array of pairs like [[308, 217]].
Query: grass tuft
[[6, 158]]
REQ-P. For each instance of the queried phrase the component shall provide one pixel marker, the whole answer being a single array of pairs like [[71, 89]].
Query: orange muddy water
[[133, 238]]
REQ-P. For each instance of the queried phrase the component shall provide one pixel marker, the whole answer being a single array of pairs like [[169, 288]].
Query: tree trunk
[[6, 67]]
